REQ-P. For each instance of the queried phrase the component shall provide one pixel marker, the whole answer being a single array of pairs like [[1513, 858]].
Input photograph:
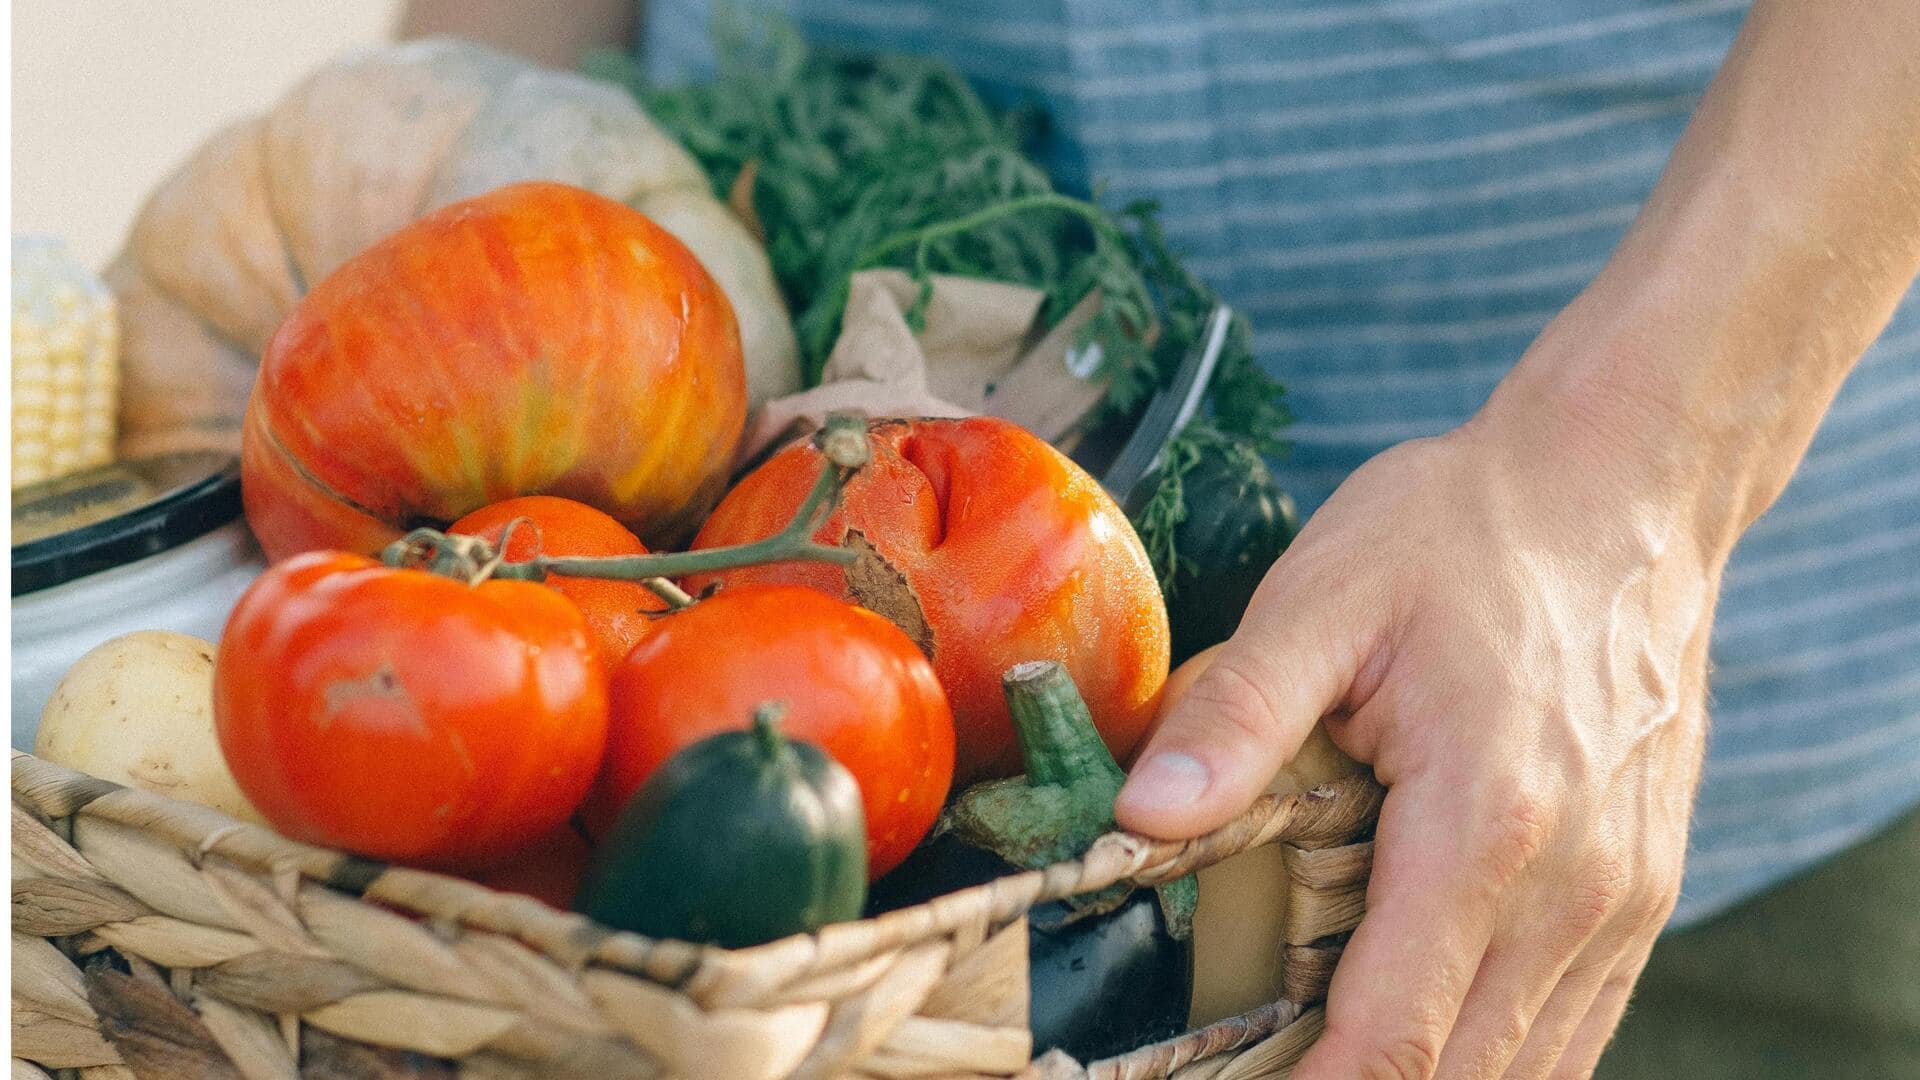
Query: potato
[[138, 710]]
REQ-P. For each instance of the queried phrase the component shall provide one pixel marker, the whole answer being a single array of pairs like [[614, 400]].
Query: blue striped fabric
[[1400, 193]]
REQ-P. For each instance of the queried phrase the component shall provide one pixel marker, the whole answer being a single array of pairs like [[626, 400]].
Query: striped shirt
[[1400, 194]]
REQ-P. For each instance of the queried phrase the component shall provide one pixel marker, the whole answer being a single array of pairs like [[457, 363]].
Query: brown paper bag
[[980, 351]]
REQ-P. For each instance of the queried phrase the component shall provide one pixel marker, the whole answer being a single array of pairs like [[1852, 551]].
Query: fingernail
[[1165, 782]]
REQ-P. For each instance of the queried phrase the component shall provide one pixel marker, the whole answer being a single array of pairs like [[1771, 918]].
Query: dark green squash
[[739, 839], [1237, 523]]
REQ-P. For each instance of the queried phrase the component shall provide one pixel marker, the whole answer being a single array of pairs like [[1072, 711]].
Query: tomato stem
[[843, 442], [675, 596]]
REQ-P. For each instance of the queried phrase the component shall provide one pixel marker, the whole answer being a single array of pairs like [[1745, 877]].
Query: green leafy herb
[[1159, 515], [1247, 404], [874, 159], [1158, 519]]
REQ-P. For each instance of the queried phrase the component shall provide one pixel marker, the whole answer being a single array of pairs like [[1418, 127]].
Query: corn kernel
[[66, 364]]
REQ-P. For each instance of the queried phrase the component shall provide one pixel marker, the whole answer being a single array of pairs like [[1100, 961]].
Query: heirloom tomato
[[408, 716], [616, 611], [538, 339], [988, 547], [852, 683]]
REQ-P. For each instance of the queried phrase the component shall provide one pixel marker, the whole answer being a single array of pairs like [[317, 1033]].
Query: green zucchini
[[739, 839]]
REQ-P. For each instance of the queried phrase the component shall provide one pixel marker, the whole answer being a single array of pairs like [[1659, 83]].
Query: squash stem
[[766, 728], [1065, 800], [1058, 740]]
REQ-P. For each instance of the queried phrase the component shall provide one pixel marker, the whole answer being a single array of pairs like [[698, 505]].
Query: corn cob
[[66, 364]]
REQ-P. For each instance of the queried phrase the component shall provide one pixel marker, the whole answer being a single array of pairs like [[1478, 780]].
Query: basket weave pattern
[[243, 954]]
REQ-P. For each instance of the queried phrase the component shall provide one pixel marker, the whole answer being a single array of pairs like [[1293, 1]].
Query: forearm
[[554, 34], [1773, 250]]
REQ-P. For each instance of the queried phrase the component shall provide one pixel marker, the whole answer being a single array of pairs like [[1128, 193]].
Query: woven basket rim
[[667, 1002], [1331, 813]]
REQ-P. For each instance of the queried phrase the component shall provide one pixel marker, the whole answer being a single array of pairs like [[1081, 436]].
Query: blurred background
[[110, 95]]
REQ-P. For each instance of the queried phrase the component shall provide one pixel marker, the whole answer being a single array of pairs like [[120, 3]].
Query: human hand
[[1514, 636], [1510, 621]]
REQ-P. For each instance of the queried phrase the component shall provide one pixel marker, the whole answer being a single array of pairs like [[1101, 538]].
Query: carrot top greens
[[867, 159]]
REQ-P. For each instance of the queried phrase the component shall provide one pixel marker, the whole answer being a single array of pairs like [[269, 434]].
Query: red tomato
[[616, 611], [1008, 551], [536, 339], [549, 871], [407, 716], [853, 684]]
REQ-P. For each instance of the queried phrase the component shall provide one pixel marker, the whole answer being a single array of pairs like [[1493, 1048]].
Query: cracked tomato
[[408, 716], [989, 548]]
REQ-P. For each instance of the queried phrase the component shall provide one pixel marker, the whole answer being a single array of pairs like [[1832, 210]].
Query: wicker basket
[[153, 938]]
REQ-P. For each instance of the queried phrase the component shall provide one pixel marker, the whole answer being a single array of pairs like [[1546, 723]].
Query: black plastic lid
[[116, 514]]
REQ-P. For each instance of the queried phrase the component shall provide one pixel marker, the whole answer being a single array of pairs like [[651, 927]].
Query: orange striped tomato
[[539, 339]]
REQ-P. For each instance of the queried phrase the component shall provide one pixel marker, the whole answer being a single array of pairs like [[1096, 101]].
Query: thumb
[[1246, 715]]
